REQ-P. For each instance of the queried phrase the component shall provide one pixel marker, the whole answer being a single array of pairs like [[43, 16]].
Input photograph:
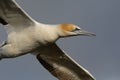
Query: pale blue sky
[[100, 55]]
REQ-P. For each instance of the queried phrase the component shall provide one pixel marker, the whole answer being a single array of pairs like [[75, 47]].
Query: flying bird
[[25, 35]]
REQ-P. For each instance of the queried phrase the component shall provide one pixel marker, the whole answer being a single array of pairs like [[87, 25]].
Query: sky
[[100, 54]]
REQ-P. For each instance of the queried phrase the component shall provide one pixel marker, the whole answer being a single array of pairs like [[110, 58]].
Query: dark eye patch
[[76, 29]]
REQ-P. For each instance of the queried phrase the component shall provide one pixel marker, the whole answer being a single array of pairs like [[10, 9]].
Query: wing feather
[[61, 65], [12, 13]]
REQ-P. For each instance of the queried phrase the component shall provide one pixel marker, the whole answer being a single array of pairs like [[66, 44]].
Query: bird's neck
[[47, 33]]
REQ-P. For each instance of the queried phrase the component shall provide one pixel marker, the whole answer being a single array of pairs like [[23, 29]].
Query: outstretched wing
[[11, 13], [61, 65]]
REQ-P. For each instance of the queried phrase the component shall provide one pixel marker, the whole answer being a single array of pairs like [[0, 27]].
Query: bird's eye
[[76, 29]]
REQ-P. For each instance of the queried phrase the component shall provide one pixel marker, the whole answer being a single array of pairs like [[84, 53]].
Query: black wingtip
[[2, 21]]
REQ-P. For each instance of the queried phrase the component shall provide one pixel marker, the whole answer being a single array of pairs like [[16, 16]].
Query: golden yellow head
[[73, 30], [67, 27]]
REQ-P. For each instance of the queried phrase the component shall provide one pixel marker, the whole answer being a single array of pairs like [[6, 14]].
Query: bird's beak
[[84, 33]]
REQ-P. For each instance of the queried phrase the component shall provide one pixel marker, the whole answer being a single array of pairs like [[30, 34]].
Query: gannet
[[26, 35]]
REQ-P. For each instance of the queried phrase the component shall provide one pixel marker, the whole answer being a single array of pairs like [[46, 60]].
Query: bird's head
[[67, 30]]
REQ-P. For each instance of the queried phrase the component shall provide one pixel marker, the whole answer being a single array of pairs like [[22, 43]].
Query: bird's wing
[[61, 65], [11, 13]]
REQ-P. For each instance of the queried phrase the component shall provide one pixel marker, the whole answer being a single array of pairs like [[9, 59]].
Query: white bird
[[25, 35]]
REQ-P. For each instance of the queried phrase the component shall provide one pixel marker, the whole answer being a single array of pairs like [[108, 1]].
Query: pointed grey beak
[[84, 33]]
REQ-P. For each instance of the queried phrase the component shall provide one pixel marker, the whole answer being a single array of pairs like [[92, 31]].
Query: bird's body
[[24, 41], [25, 35]]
